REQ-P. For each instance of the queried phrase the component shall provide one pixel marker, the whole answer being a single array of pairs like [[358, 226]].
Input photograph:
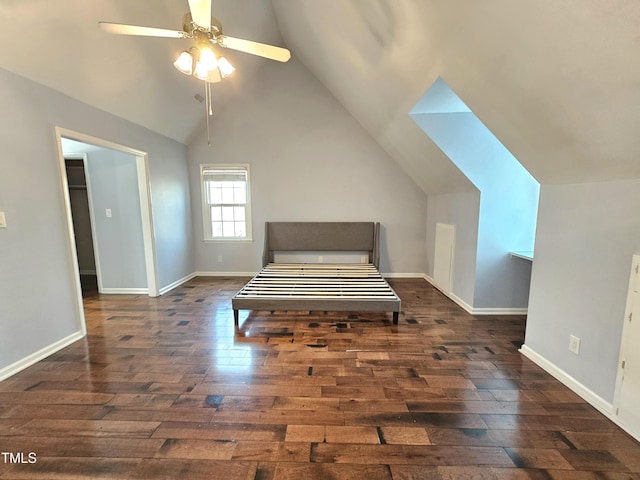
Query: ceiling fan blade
[[122, 29], [255, 48], [201, 12]]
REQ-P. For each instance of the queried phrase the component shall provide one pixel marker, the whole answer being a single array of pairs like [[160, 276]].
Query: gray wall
[[310, 161], [114, 185], [463, 211], [37, 307], [586, 237]]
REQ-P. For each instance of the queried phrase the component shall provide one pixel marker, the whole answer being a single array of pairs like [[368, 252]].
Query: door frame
[[144, 190], [634, 277]]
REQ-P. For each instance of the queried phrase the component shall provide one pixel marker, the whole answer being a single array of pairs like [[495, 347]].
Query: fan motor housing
[[190, 27]]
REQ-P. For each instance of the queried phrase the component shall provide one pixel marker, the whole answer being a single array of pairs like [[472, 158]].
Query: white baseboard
[[477, 311], [592, 398], [225, 274], [125, 291], [468, 308], [177, 283], [402, 275], [41, 354], [500, 311], [252, 274], [465, 306]]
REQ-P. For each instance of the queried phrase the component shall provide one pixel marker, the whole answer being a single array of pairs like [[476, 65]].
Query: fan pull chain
[[208, 107], [210, 98]]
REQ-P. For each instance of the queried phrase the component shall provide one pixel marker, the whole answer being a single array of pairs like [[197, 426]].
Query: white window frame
[[207, 221]]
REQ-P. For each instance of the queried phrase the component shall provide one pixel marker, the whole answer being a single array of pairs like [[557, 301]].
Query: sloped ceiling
[[557, 81]]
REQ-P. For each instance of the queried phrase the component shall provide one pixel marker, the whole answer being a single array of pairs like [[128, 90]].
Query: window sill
[[228, 240]]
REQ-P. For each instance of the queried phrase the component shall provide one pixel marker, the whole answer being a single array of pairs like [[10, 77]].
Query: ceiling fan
[[200, 60]]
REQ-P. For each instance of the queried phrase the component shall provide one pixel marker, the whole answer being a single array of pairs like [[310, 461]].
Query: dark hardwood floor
[[166, 389]]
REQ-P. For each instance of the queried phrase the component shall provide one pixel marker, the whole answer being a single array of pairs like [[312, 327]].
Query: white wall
[[586, 237], [310, 161], [37, 306]]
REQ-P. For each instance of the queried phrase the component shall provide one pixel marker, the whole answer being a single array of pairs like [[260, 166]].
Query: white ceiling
[[557, 81]]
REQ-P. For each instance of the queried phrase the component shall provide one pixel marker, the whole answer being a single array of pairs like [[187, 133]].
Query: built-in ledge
[[524, 254]]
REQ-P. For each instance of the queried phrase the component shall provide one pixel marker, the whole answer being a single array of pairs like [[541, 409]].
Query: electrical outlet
[[320, 258], [574, 344], [108, 213], [219, 258], [3, 220]]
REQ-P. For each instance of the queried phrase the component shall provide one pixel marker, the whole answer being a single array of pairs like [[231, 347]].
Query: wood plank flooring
[[166, 388]]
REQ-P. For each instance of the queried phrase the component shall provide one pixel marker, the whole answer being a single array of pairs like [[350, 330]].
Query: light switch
[[108, 213], [3, 220]]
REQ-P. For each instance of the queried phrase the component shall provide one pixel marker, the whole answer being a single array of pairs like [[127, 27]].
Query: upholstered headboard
[[322, 236]]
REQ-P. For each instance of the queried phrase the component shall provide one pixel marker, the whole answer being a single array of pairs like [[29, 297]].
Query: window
[[226, 202]]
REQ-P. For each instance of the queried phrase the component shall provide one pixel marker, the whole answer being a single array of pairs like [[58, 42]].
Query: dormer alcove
[[491, 223]]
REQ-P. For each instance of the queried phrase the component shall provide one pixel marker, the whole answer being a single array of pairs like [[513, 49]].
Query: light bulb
[[208, 58]]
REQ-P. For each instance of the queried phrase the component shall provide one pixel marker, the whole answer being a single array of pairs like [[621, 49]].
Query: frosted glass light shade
[[201, 72], [225, 67], [184, 63]]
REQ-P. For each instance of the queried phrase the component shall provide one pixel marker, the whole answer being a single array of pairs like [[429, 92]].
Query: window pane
[[241, 230], [216, 229], [216, 214], [215, 193], [227, 214], [240, 193], [227, 194], [227, 229], [238, 213]]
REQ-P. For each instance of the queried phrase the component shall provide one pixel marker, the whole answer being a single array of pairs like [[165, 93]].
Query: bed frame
[[319, 286]]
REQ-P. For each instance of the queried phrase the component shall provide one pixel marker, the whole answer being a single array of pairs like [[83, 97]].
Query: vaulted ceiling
[[557, 81]]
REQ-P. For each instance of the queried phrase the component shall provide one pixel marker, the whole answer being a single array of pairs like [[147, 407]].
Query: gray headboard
[[322, 236]]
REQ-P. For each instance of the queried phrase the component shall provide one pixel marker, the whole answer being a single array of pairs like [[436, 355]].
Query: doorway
[[80, 201], [142, 199]]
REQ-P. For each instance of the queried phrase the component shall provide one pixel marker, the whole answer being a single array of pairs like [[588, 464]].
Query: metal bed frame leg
[[236, 318], [395, 317]]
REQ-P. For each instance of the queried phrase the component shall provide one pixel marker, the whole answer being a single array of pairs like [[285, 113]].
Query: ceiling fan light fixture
[[184, 63], [200, 60], [225, 67]]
